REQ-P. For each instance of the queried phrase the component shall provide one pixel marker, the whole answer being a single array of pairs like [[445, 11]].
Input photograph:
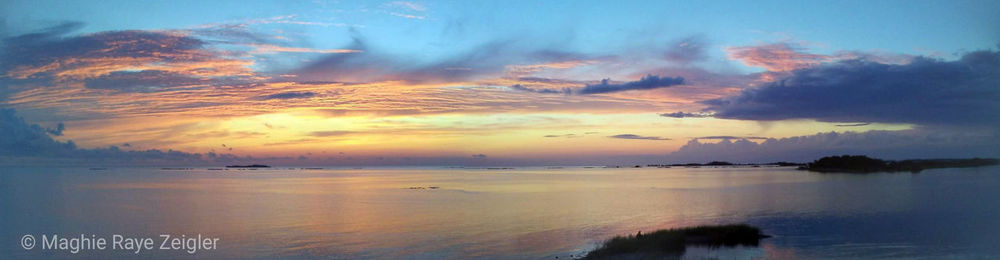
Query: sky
[[495, 82]]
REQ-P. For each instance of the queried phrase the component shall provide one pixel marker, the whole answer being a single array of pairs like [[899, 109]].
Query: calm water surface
[[523, 213]]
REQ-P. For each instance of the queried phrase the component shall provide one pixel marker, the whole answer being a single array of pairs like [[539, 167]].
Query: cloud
[[680, 114], [247, 32], [565, 91], [906, 144], [58, 131], [686, 50], [127, 61], [289, 95], [639, 137], [479, 156], [924, 91], [25, 144], [282, 19], [605, 86], [647, 82], [330, 133], [23, 139], [408, 16], [726, 137], [408, 5], [406, 9], [525, 70], [776, 56], [562, 135], [490, 59], [858, 124], [271, 48], [48, 52], [140, 81]]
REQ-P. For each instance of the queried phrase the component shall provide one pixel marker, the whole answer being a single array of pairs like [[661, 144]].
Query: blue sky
[[519, 82], [912, 27]]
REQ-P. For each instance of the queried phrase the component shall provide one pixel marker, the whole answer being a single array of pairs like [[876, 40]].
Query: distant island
[[724, 163], [709, 164], [248, 166], [865, 164], [671, 243]]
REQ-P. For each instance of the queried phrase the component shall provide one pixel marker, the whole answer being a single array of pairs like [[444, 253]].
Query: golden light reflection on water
[[470, 213]]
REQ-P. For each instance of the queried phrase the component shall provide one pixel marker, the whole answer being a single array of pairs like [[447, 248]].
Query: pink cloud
[[776, 56]]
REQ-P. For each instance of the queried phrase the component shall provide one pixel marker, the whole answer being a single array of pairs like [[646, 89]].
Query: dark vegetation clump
[[672, 242]]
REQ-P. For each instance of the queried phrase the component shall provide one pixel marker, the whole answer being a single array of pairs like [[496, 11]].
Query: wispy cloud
[[289, 95], [639, 137], [30, 57], [270, 48], [330, 133], [686, 50], [606, 86], [680, 114], [409, 10], [408, 5], [542, 90], [858, 124], [728, 137], [776, 56], [408, 16], [282, 19]]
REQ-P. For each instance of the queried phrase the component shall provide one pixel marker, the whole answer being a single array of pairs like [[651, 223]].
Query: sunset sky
[[495, 82]]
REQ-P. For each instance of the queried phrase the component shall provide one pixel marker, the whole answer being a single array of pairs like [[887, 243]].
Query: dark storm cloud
[[639, 137], [647, 82], [924, 91]]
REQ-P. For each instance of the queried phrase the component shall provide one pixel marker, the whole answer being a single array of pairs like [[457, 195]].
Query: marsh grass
[[672, 242]]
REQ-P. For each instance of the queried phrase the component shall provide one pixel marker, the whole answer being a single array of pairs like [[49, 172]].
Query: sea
[[488, 213]]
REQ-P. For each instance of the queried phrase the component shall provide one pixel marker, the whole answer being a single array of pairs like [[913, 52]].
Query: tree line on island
[[865, 164], [853, 164]]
